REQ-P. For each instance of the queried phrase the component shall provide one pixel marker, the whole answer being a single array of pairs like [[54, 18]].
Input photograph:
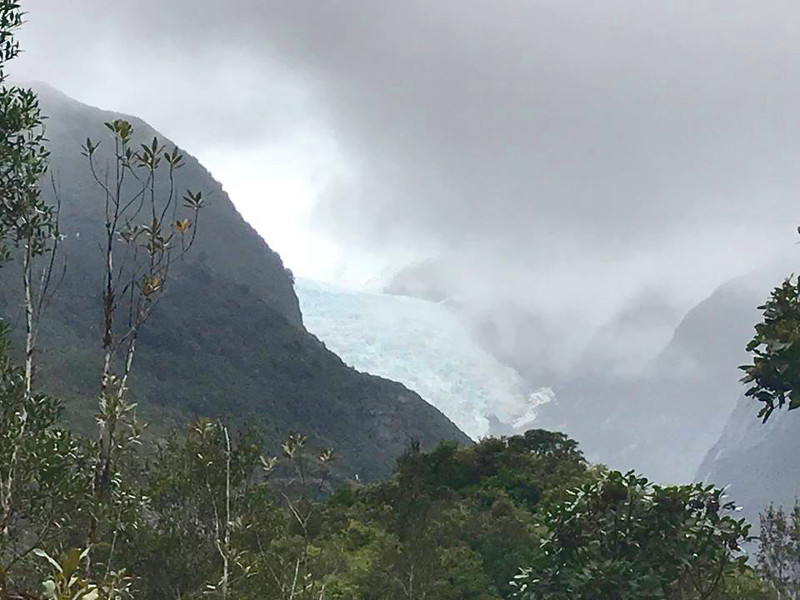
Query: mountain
[[427, 347], [756, 460], [664, 420], [627, 344], [630, 406], [650, 390], [226, 339]]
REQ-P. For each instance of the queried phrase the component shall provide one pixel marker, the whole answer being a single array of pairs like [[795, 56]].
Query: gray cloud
[[541, 147]]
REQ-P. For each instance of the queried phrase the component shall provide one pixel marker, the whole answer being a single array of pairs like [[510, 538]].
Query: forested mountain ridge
[[227, 339], [232, 249]]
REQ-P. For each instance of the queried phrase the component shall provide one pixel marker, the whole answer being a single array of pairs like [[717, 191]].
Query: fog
[[568, 158]]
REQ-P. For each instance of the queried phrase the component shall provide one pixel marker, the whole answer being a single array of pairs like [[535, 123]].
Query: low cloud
[[566, 153]]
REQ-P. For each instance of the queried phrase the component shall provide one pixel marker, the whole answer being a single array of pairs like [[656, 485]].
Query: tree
[[41, 469], [295, 564], [28, 225], [475, 503], [141, 213], [747, 585], [778, 560], [774, 376], [67, 583], [203, 486], [623, 538], [37, 475]]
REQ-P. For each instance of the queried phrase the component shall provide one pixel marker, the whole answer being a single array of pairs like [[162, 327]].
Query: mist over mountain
[[650, 389], [664, 420], [465, 322], [754, 460], [226, 340], [426, 346], [628, 345], [559, 156], [570, 179]]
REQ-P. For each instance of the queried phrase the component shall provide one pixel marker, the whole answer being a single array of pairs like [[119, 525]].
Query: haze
[[569, 157]]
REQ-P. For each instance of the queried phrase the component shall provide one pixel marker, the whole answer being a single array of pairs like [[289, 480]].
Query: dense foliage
[[42, 470], [779, 552], [210, 512], [25, 220], [775, 373], [621, 537]]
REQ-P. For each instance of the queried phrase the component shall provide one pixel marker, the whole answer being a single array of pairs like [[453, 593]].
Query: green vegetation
[[221, 510], [775, 373], [210, 513], [225, 339], [621, 537], [779, 552]]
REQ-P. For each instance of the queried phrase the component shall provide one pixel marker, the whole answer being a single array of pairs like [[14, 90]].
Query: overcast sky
[[575, 154]]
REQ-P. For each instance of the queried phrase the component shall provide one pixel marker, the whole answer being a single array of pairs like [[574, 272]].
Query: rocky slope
[[756, 460], [664, 420]]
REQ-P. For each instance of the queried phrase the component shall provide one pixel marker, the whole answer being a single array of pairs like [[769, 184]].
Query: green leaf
[[71, 562], [42, 554]]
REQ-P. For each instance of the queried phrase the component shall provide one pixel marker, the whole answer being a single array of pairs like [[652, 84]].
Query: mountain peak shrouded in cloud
[[564, 154]]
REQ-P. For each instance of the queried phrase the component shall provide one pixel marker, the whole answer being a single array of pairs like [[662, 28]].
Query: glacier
[[426, 347]]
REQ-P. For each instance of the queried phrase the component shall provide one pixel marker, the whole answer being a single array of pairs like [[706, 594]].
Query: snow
[[424, 346]]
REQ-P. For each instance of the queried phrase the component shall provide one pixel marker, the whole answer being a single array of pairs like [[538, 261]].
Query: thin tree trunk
[[29, 324], [128, 363], [108, 314], [104, 432], [227, 542]]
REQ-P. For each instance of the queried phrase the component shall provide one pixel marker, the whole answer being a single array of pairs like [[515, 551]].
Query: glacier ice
[[423, 345]]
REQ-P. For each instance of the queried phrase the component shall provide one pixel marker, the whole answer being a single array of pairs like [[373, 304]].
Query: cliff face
[[664, 420], [226, 339], [757, 461]]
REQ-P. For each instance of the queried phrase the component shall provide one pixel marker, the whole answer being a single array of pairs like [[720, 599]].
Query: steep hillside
[[227, 338], [230, 247], [631, 405], [757, 461], [664, 420]]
